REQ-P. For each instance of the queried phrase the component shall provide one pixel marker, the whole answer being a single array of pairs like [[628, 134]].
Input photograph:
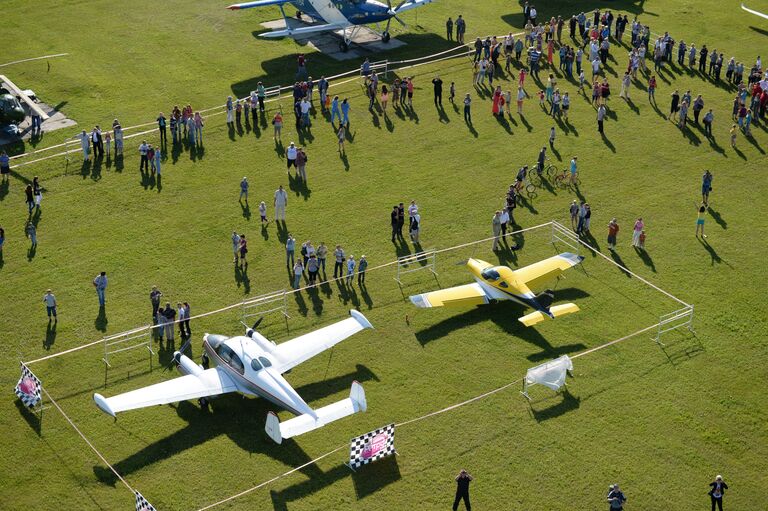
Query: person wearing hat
[[616, 498], [362, 265], [716, 492], [50, 305]]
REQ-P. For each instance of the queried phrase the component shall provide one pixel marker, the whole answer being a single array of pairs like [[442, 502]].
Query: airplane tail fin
[[305, 423], [556, 311]]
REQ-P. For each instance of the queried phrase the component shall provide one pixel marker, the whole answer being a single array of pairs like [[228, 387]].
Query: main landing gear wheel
[[343, 46], [385, 37]]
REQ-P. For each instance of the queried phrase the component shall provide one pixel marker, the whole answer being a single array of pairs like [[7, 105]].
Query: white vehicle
[[252, 365]]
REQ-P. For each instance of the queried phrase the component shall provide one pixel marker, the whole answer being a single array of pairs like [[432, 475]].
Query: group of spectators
[[165, 318]]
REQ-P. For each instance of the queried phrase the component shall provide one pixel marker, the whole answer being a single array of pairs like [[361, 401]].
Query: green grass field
[[662, 422]]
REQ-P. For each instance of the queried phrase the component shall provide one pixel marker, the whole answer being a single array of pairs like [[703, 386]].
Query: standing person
[[31, 232], [235, 245], [625, 85], [29, 195], [616, 498], [290, 156], [449, 28], [170, 322], [243, 190], [50, 305], [345, 107], [574, 169], [700, 212], [290, 250], [277, 125], [280, 203], [37, 191], [520, 99], [143, 152], [652, 88], [467, 109], [183, 320], [675, 105], [393, 222], [322, 255], [734, 131], [708, 118], [350, 269], [437, 84], [600, 117], [613, 230], [118, 130], [161, 124], [698, 106], [298, 271], [362, 265], [706, 187], [338, 267], [5, 164], [638, 228], [313, 267], [301, 164], [243, 250], [2, 242], [462, 490], [85, 145], [335, 110], [230, 110], [461, 28], [198, 124], [158, 161], [400, 219], [263, 213], [415, 226], [100, 283], [496, 229], [574, 212], [409, 87], [154, 298], [716, 492]]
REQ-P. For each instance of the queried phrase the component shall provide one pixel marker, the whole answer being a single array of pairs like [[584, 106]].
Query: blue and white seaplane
[[343, 16]]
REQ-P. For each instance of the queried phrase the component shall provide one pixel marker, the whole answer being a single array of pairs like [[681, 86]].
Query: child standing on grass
[[641, 241], [652, 88], [452, 92], [552, 136], [507, 101], [520, 99], [613, 230], [263, 212], [734, 132], [521, 78], [700, 212], [541, 98], [582, 81]]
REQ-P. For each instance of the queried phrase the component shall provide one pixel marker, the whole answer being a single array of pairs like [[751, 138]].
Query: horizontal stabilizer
[[532, 318], [305, 423], [257, 3], [562, 310]]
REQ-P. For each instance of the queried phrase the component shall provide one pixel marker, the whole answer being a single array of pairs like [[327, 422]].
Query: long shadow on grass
[[242, 420], [367, 481], [505, 316]]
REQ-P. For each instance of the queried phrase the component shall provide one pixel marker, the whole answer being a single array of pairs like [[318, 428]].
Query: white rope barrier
[[34, 58]]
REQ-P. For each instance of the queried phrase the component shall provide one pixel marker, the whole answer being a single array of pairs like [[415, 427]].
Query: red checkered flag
[[29, 388], [142, 504]]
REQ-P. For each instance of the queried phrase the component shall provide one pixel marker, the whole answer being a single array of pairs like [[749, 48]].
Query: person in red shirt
[[613, 230]]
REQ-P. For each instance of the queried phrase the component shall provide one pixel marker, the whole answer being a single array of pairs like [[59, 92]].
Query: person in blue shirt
[[706, 186], [345, 112], [335, 109], [350, 269]]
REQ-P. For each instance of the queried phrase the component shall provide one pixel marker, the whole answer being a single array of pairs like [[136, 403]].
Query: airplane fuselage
[[253, 370], [498, 282], [354, 12]]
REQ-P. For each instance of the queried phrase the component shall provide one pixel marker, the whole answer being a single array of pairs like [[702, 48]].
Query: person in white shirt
[[415, 226], [305, 107], [85, 143], [263, 212], [143, 150], [235, 244], [50, 305], [281, 201], [625, 83], [290, 155]]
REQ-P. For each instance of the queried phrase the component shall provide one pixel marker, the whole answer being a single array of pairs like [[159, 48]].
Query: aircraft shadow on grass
[[505, 315], [367, 480], [282, 70], [242, 420]]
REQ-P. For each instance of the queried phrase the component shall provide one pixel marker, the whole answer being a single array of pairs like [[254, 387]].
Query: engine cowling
[[186, 365]]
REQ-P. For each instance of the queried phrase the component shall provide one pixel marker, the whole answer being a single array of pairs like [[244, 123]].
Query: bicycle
[[565, 180]]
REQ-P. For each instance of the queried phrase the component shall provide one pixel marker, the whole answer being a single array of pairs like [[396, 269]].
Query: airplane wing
[[292, 353], [537, 274], [469, 294], [756, 13], [407, 5], [210, 382], [295, 32], [257, 3]]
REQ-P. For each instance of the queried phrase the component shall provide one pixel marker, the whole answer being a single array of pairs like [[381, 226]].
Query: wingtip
[[103, 405], [419, 301], [360, 317]]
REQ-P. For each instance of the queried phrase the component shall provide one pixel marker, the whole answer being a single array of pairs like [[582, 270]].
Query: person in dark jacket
[[394, 222], [462, 490], [717, 491]]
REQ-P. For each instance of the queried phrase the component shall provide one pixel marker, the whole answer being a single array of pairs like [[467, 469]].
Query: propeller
[[175, 359], [254, 327], [393, 13]]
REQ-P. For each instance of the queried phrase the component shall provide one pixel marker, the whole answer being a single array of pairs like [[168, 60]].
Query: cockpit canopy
[[490, 274], [230, 358]]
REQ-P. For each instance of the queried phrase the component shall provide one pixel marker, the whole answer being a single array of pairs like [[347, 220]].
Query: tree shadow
[[101, 321]]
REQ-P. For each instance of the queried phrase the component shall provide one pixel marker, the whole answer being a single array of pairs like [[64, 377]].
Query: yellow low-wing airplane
[[503, 283]]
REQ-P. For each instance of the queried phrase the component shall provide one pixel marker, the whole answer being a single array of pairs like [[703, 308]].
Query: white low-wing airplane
[[253, 365], [334, 15]]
